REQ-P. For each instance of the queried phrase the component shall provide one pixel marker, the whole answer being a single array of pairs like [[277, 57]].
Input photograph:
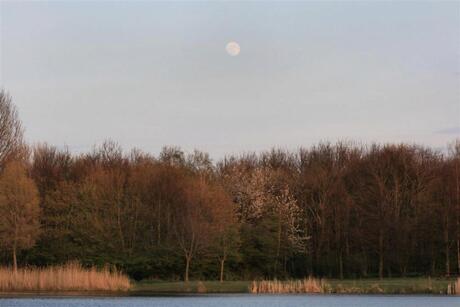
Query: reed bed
[[454, 288], [307, 285], [69, 277]]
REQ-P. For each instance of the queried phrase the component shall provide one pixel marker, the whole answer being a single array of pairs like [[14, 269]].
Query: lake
[[232, 300]]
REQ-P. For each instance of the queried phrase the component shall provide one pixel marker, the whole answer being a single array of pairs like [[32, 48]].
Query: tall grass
[[454, 288], [307, 285], [69, 277]]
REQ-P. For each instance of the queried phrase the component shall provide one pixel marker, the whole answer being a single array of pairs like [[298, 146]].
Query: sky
[[150, 74]]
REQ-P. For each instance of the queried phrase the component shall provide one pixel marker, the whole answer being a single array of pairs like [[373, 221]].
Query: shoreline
[[146, 288], [69, 294], [35, 294]]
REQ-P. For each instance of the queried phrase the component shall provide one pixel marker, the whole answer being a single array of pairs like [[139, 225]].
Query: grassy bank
[[347, 286], [162, 287], [391, 286], [70, 277]]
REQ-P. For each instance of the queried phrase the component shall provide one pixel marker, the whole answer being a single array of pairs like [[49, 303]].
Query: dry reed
[[200, 287], [69, 277], [454, 288], [307, 285]]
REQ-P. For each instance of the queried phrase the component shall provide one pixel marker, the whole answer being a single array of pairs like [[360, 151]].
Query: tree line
[[333, 210]]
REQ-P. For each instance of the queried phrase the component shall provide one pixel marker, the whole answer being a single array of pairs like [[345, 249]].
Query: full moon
[[233, 48]]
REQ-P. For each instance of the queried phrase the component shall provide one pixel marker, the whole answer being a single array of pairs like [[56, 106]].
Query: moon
[[233, 48]]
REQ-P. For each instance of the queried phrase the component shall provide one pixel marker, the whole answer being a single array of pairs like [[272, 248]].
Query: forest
[[336, 210]]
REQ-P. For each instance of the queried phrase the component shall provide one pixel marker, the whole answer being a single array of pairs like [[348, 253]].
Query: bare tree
[[11, 131], [19, 210], [455, 153], [225, 228], [193, 225]]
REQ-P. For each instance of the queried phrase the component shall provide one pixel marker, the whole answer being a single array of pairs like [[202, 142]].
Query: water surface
[[239, 300]]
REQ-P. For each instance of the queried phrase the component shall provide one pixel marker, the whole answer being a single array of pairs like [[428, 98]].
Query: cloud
[[451, 130]]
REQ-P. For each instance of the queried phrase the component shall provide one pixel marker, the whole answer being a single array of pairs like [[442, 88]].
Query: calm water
[[240, 300]]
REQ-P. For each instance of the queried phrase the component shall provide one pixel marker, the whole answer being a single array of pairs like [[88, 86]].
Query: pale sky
[[149, 74]]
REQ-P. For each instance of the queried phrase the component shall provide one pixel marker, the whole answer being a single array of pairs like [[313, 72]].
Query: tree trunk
[[364, 265], [278, 246], [458, 255], [457, 186], [446, 244], [222, 262], [187, 267], [340, 264], [120, 231], [15, 262], [347, 253], [381, 254], [159, 223]]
